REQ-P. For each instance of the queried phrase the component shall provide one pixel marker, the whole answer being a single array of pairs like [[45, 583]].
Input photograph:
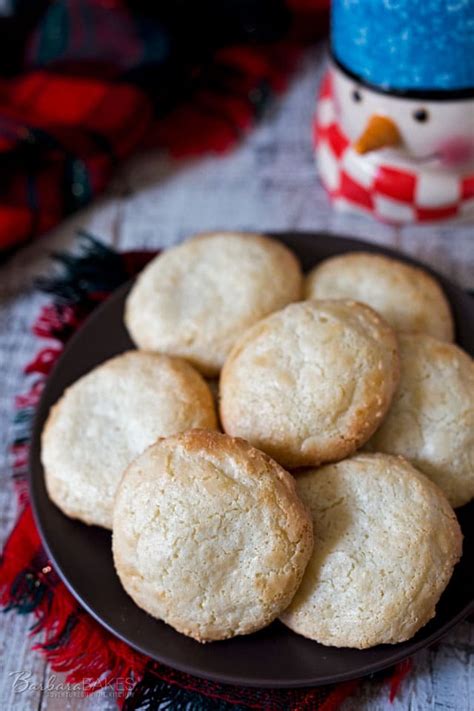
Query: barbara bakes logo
[[23, 681]]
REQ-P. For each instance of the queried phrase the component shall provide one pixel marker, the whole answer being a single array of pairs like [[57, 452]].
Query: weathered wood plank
[[21, 670]]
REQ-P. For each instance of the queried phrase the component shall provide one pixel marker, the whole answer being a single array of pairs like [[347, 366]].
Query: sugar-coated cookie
[[209, 535], [386, 543], [407, 297], [107, 418], [431, 419], [194, 300], [310, 383]]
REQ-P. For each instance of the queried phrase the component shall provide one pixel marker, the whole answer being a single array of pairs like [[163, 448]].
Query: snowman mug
[[394, 126]]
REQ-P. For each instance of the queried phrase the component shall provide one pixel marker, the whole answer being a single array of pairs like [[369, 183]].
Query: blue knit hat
[[409, 46]]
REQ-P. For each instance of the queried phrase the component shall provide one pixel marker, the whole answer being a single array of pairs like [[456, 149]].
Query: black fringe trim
[[94, 269], [151, 694]]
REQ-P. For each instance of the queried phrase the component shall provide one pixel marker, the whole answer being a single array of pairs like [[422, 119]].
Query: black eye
[[421, 115], [356, 95]]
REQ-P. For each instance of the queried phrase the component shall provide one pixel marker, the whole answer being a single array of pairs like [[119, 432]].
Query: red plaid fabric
[[61, 141], [98, 81]]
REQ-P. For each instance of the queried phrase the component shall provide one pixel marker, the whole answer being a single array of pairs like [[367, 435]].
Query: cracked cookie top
[[431, 419], [108, 417], [194, 300], [387, 542], [407, 297], [310, 384], [209, 535]]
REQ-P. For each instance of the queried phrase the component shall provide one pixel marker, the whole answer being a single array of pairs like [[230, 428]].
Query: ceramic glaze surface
[[395, 127], [443, 139], [404, 44], [426, 174]]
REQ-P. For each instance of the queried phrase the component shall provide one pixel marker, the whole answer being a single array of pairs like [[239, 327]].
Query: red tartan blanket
[[67, 636], [98, 79]]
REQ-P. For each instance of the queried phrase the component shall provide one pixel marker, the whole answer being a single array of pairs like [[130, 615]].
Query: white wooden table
[[267, 183]]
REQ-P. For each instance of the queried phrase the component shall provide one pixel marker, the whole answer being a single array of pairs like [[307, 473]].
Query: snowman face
[[439, 132]]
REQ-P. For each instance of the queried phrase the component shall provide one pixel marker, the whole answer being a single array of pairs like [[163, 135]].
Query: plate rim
[[353, 244]]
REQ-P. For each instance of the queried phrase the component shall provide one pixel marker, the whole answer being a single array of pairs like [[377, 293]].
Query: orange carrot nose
[[380, 132]]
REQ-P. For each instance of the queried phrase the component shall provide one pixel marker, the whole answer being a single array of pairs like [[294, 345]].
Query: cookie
[[209, 535], [386, 543], [431, 420], [310, 383], [194, 300], [408, 298], [110, 416]]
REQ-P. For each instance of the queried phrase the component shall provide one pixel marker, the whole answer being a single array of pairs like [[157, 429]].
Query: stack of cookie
[[211, 533]]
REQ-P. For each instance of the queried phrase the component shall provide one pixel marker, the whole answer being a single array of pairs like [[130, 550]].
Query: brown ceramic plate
[[274, 657]]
